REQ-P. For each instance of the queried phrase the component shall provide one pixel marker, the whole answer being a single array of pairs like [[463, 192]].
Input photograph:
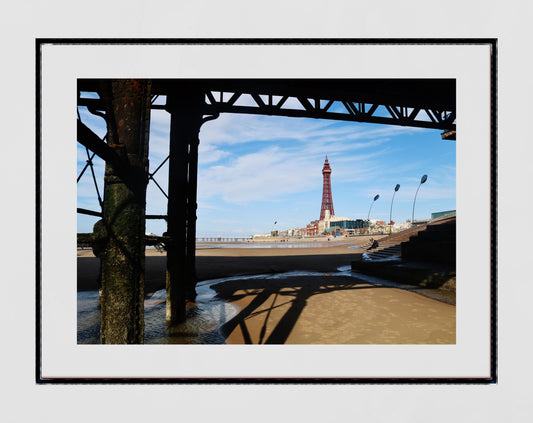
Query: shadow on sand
[[286, 298]]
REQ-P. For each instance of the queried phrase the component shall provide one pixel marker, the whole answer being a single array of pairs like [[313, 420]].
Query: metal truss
[[332, 109], [419, 103], [100, 148]]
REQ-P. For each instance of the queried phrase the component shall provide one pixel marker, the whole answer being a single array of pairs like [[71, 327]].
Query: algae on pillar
[[122, 261]]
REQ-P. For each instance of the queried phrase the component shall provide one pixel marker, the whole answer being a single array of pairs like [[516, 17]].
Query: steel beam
[[89, 212], [352, 115], [361, 98], [190, 291], [185, 108], [89, 139]]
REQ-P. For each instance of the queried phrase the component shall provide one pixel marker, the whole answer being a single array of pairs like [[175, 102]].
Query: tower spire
[[327, 199]]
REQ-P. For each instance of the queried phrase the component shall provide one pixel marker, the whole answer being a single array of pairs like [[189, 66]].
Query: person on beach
[[374, 244]]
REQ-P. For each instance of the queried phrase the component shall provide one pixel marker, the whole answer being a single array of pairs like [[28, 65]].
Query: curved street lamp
[[368, 217], [422, 180], [396, 188]]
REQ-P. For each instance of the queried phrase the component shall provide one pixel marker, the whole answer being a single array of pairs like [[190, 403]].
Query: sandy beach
[[333, 310], [318, 308]]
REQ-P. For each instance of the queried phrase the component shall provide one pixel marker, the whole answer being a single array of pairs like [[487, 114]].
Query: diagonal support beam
[[307, 105], [89, 139], [258, 100]]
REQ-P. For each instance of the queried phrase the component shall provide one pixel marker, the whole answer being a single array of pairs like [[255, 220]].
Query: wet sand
[[215, 262], [333, 310], [320, 308]]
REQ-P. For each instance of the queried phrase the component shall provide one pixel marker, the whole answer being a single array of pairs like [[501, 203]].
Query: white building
[[326, 222]]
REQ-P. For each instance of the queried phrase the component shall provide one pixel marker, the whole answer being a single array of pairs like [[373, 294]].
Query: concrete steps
[[425, 257], [390, 245], [437, 244], [434, 234], [385, 252]]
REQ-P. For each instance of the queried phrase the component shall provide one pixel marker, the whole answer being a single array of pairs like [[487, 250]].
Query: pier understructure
[[119, 237]]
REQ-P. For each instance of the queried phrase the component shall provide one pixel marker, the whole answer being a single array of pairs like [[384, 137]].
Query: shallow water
[[209, 312], [203, 319], [201, 326]]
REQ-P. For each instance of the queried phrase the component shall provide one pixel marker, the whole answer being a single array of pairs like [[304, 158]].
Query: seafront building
[[330, 225]]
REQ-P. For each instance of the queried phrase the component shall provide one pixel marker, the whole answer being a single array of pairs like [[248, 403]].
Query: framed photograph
[[421, 131]]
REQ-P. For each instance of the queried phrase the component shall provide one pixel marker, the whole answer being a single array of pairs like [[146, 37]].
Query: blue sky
[[256, 170]]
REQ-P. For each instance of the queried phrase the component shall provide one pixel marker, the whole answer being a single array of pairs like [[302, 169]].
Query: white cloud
[[235, 128], [288, 167], [208, 153], [262, 176]]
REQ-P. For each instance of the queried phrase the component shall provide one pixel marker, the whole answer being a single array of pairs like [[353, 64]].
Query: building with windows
[[447, 213], [333, 231], [349, 224], [312, 228]]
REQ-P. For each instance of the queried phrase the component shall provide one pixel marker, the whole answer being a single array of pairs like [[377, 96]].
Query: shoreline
[[213, 263]]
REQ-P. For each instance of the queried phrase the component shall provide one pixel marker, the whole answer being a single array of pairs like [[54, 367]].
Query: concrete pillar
[[185, 108], [123, 225]]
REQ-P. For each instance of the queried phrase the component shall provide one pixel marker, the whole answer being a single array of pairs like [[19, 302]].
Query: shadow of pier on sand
[[270, 311]]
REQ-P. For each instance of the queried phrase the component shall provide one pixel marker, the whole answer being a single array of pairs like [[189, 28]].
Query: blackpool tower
[[327, 200]]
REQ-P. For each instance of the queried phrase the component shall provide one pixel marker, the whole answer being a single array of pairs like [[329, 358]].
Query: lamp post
[[396, 188], [368, 217], [422, 180]]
